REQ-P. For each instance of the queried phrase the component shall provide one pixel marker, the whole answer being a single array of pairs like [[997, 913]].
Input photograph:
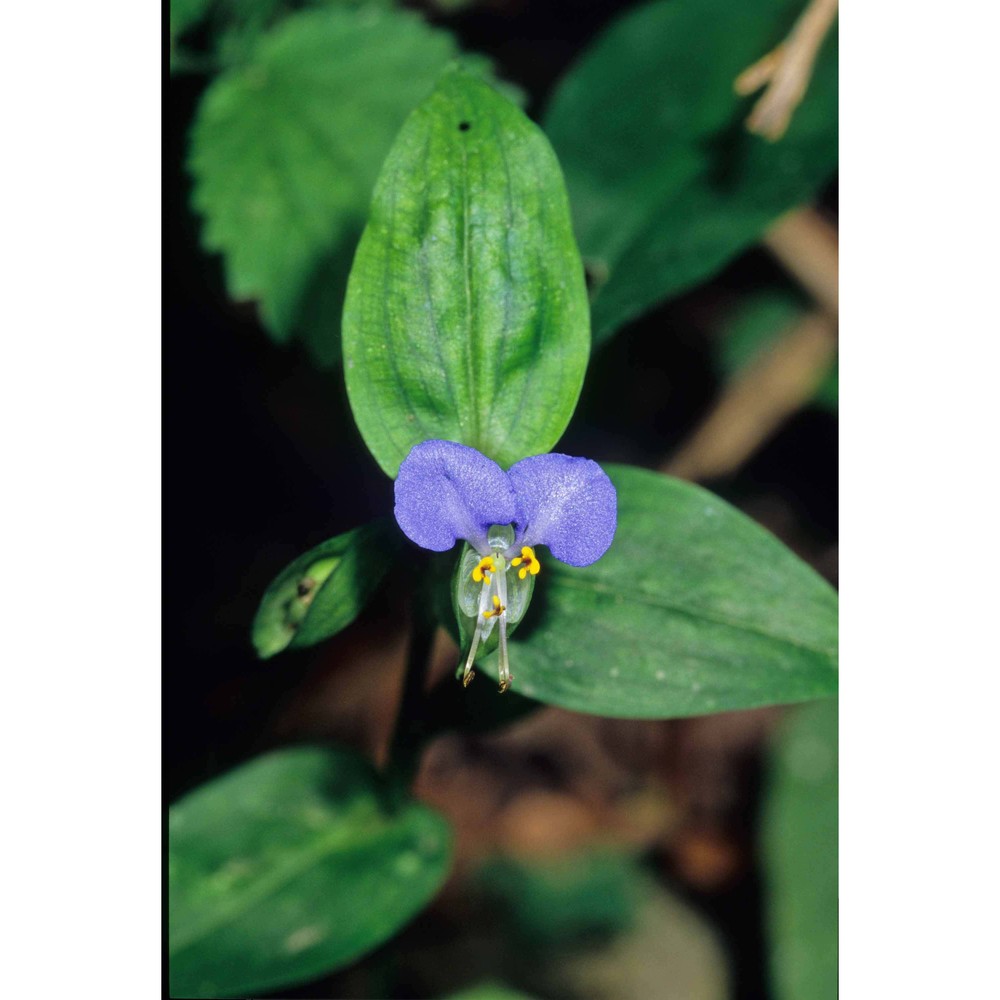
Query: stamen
[[501, 600], [498, 608], [529, 560], [491, 571], [469, 673], [485, 617], [483, 569]]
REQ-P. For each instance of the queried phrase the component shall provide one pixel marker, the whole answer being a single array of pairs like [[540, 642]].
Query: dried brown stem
[[786, 71], [759, 400], [807, 247]]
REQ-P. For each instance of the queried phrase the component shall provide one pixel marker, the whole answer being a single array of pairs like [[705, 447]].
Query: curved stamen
[[501, 601]]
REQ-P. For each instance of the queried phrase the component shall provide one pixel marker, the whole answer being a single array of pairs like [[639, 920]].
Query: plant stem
[[410, 732]]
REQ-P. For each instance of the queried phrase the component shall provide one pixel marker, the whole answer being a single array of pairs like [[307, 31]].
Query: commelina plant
[[466, 340], [465, 344]]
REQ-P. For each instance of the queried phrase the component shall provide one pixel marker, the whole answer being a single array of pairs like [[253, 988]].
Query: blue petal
[[446, 491], [568, 504]]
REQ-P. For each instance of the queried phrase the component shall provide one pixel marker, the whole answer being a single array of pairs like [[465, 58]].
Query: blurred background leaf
[[226, 28], [596, 923], [489, 991], [286, 147], [292, 865], [665, 181], [562, 901], [800, 855], [466, 316], [325, 589], [184, 14], [694, 609], [755, 324], [828, 394]]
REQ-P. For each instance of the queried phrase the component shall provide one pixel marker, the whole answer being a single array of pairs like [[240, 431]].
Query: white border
[[79, 412], [919, 375]]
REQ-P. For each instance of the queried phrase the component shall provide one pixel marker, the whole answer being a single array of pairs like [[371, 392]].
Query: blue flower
[[447, 491]]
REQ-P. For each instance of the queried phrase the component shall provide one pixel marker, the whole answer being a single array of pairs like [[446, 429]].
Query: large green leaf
[[665, 181], [325, 589], [800, 856], [466, 314], [285, 151], [291, 866], [695, 609]]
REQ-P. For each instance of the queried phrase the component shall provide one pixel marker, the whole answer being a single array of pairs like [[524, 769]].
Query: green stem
[[410, 733]]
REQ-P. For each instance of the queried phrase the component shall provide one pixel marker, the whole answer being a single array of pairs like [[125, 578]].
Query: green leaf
[[757, 323], [325, 589], [285, 150], [466, 312], [695, 609], [800, 856], [291, 866], [665, 181], [489, 991]]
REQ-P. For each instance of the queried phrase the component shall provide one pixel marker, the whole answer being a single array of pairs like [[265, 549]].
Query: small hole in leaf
[[464, 126]]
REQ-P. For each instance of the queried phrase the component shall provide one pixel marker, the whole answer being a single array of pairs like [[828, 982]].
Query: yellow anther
[[498, 608], [530, 562], [483, 570]]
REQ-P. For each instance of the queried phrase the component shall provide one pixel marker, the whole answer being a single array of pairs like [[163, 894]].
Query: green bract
[[291, 866], [466, 315], [325, 589], [695, 609], [666, 183]]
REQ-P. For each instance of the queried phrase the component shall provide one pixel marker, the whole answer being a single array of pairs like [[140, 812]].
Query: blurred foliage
[[667, 953], [286, 147], [563, 901], [665, 181], [596, 923], [489, 991], [800, 855], [291, 865], [757, 323], [230, 24], [666, 187], [185, 14]]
